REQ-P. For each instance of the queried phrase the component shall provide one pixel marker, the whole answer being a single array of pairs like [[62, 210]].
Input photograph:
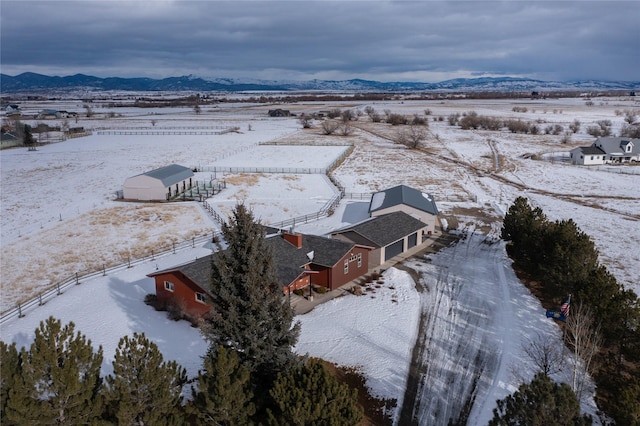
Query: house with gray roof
[[159, 184], [608, 150], [390, 235], [417, 204], [299, 260]]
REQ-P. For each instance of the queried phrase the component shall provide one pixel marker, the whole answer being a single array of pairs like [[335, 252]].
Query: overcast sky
[[427, 41]]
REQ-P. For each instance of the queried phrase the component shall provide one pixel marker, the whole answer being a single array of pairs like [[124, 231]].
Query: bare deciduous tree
[[346, 129], [545, 353], [575, 126], [583, 339], [412, 138], [329, 126], [88, 110], [348, 115]]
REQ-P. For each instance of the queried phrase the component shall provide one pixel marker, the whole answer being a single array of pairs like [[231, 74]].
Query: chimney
[[295, 239]]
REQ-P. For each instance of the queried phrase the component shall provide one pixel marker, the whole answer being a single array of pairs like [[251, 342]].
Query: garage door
[[413, 240], [393, 250]]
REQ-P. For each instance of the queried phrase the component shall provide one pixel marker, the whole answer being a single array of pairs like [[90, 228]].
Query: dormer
[[627, 146]]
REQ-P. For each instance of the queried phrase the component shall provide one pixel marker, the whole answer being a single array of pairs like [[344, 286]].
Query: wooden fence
[[58, 288]]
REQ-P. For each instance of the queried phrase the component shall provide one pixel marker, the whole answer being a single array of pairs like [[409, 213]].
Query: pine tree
[[540, 403], [223, 396], [568, 257], [144, 389], [310, 395], [249, 315], [522, 226], [60, 381], [10, 372]]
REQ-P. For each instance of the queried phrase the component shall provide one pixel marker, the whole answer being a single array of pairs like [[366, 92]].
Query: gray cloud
[[381, 40]]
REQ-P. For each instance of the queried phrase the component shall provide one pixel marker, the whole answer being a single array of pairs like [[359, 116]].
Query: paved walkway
[[302, 304]]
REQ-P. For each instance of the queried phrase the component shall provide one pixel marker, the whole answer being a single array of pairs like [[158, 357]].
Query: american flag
[[565, 307]]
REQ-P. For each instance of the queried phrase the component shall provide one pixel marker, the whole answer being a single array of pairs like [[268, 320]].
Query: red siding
[[335, 277], [183, 294]]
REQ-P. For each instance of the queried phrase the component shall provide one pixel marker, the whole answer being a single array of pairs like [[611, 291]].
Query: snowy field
[[60, 216]]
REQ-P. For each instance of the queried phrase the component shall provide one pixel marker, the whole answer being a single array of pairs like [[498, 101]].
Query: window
[[346, 266], [592, 157], [168, 285], [200, 297], [359, 260]]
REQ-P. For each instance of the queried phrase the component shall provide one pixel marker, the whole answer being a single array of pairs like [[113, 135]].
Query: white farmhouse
[[609, 150], [159, 184]]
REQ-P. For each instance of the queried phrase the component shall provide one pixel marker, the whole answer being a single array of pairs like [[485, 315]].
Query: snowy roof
[[386, 229], [403, 194], [170, 174]]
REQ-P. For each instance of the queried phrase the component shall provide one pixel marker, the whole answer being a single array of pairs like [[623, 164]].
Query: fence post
[[77, 280], [104, 270], [174, 247], [20, 311], [193, 242], [40, 299]]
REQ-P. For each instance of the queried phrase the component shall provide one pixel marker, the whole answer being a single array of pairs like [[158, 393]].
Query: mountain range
[[32, 82]]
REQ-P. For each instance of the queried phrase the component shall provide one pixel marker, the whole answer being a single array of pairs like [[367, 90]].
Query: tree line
[[558, 260], [250, 374]]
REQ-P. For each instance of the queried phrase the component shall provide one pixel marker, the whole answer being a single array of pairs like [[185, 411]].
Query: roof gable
[[403, 194]]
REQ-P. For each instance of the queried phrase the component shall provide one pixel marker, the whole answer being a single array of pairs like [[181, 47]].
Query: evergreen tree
[[249, 315], [144, 389], [310, 395], [60, 379], [522, 226], [568, 257], [540, 403], [10, 372], [28, 136], [223, 396]]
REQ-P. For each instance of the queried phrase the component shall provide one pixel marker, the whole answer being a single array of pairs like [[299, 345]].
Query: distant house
[[300, 260], [390, 235], [609, 150], [48, 114], [12, 109], [279, 113], [417, 204], [159, 184]]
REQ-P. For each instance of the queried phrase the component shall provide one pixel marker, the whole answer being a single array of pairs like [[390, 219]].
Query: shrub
[[396, 119], [320, 289]]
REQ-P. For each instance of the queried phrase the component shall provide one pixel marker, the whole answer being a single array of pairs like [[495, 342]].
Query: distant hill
[[31, 82]]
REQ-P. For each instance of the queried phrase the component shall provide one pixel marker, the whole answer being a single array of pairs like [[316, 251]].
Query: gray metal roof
[[403, 194], [386, 229], [616, 145], [171, 174]]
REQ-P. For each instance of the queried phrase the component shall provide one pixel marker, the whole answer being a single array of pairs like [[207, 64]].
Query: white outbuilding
[[159, 184]]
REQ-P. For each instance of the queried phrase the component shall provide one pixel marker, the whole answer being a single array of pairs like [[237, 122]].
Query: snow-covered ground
[[60, 216]]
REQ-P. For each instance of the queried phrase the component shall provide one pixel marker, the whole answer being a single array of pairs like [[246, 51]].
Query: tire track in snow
[[462, 347]]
